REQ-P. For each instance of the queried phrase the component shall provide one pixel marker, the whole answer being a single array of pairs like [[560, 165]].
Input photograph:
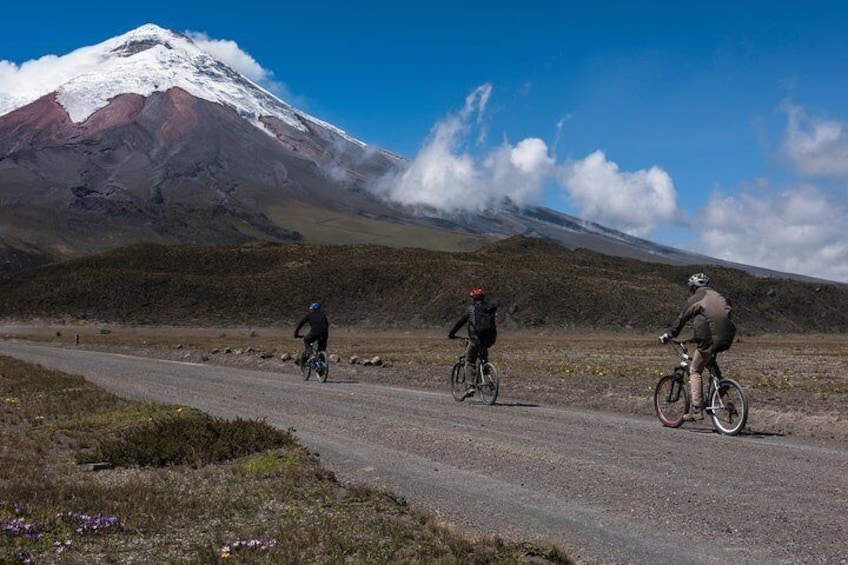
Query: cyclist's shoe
[[469, 392], [695, 413]]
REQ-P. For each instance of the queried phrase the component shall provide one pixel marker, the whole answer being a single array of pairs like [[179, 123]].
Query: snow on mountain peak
[[151, 59]]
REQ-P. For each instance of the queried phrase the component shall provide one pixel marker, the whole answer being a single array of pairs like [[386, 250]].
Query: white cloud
[[797, 231], [816, 147], [37, 77], [446, 177], [633, 202], [229, 53]]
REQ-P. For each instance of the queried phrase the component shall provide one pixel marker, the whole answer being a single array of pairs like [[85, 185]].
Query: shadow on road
[[517, 404]]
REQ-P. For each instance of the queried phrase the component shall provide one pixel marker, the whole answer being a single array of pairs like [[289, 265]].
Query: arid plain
[[796, 384]]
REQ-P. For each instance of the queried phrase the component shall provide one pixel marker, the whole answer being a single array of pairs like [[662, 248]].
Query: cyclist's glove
[[664, 338], [451, 336]]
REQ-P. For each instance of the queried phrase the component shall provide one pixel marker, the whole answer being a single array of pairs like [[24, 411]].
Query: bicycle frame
[[725, 400], [311, 361], [686, 364], [486, 381]]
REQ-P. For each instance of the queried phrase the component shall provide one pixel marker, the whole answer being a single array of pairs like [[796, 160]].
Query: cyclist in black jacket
[[482, 331], [319, 327]]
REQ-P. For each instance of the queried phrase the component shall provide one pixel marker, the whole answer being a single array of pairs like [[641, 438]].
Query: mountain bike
[[486, 381], [728, 404], [312, 360]]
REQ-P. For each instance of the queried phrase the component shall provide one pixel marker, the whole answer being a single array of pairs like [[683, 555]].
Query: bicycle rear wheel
[[322, 368], [671, 401], [457, 382], [728, 407], [489, 383], [305, 366]]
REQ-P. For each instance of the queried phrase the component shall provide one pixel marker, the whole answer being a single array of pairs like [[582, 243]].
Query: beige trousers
[[471, 354], [699, 362]]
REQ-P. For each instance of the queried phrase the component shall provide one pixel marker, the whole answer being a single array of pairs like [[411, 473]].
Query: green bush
[[195, 439]]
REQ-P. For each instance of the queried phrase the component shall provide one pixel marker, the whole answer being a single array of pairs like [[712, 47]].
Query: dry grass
[[270, 506]]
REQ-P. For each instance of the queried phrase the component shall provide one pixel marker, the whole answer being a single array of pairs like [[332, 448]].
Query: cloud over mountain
[[454, 174]]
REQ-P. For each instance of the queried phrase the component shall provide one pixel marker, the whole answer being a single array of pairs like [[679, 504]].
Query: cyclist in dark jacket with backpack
[[482, 330], [319, 327]]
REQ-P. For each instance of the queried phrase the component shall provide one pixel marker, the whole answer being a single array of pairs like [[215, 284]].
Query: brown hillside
[[536, 284]]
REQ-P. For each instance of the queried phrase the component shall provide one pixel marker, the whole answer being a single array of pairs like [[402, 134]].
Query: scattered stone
[[285, 357], [376, 361], [249, 349], [216, 350], [334, 358], [99, 466], [178, 346], [266, 355], [354, 360], [227, 350]]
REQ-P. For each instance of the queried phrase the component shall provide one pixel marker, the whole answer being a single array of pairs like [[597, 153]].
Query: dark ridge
[[536, 283]]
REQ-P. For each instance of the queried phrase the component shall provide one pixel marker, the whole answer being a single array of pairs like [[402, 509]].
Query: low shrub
[[194, 439]]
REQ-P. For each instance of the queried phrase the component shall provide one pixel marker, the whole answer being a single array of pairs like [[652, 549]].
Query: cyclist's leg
[[308, 348], [472, 351], [712, 367], [322, 342], [700, 360]]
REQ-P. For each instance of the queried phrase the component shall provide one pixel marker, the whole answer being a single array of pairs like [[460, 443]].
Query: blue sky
[[720, 128]]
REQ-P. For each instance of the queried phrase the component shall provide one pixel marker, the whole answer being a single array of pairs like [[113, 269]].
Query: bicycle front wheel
[[457, 382], [728, 407], [671, 401], [305, 366], [489, 383], [322, 368]]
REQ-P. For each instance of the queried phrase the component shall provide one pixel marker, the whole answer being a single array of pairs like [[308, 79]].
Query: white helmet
[[698, 280]]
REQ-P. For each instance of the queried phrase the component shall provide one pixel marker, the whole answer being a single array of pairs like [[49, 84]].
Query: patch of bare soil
[[796, 384]]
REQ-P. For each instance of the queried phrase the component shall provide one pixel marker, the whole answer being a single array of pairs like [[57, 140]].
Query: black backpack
[[483, 317]]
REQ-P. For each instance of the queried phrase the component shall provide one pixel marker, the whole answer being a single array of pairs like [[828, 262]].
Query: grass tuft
[[193, 439]]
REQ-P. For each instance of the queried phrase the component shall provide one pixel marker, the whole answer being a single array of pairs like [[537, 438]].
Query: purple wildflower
[[19, 527]]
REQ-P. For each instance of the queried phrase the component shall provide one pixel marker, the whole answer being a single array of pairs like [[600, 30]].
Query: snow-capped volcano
[[152, 59], [147, 137]]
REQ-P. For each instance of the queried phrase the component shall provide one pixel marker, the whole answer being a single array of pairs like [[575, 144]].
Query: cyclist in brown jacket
[[713, 330]]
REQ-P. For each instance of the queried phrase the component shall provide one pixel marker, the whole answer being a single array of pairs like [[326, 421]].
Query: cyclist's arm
[[300, 325], [458, 325], [690, 309]]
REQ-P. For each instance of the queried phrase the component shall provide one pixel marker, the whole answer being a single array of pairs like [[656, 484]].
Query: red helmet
[[476, 293]]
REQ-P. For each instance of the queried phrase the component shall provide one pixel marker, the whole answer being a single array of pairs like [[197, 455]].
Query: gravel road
[[610, 488]]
